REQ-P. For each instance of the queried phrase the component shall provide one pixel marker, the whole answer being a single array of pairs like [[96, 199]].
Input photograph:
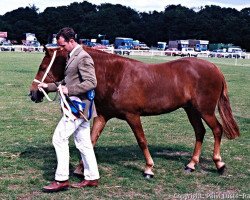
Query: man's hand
[[64, 90], [42, 85]]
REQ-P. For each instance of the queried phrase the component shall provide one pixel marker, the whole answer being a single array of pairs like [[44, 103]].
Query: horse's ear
[[45, 49]]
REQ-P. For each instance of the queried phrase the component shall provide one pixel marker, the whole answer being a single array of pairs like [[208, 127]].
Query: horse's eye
[[42, 67]]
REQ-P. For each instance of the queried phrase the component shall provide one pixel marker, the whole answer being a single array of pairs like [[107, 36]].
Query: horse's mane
[[95, 53], [102, 54]]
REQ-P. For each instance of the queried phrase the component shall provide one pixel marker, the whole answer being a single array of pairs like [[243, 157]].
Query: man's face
[[68, 46]]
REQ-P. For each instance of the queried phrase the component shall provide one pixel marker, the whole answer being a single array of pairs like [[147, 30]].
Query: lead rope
[[66, 111], [45, 75]]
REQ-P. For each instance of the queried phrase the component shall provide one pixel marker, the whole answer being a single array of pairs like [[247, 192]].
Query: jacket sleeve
[[87, 77], [52, 87]]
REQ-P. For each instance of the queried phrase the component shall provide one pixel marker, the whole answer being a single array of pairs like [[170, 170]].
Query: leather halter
[[45, 75]]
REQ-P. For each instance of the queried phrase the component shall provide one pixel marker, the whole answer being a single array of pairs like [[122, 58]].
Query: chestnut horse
[[128, 89]]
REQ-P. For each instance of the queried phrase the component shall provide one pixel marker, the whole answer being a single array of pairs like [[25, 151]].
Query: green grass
[[27, 157]]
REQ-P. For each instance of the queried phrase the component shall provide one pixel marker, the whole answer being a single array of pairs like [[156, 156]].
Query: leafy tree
[[20, 21], [178, 22], [152, 28], [213, 23]]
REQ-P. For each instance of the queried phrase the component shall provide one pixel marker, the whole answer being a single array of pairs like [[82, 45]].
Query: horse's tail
[[230, 127]]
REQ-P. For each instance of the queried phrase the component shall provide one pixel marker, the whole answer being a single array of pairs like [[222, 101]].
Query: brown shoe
[[85, 183], [56, 186]]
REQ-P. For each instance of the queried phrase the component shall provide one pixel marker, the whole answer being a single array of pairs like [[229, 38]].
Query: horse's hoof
[[222, 170], [188, 169], [78, 175], [148, 176]]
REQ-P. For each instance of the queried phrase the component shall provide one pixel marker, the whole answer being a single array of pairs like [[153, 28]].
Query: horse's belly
[[155, 107]]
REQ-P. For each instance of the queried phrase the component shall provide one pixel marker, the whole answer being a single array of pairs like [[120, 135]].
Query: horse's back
[[168, 86], [195, 82], [150, 89]]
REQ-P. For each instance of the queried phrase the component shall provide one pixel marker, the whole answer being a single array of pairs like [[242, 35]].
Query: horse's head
[[55, 73]]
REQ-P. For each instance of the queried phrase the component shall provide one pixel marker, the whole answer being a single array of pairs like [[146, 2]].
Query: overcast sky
[[139, 5]]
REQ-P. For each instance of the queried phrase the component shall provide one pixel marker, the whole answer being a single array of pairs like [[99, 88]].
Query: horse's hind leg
[[134, 122], [98, 125], [195, 120], [216, 127]]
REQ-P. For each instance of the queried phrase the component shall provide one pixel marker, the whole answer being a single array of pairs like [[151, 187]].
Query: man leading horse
[[78, 80], [196, 85]]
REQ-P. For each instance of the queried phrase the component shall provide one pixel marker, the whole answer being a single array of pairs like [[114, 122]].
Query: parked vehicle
[[99, 46], [7, 47], [122, 50], [141, 46], [236, 52], [219, 53], [32, 46], [161, 46], [123, 43], [187, 51], [51, 45], [172, 52], [90, 44]]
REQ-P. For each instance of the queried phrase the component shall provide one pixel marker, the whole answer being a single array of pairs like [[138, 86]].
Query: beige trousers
[[81, 132]]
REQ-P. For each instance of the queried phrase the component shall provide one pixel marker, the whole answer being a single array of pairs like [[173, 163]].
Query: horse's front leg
[[98, 125], [134, 122]]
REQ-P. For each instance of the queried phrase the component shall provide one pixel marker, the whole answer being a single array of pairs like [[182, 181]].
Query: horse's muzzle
[[36, 96]]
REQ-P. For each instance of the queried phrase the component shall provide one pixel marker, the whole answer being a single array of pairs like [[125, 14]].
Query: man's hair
[[67, 33]]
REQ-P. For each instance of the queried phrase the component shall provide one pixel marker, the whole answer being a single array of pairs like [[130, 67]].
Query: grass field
[[27, 157]]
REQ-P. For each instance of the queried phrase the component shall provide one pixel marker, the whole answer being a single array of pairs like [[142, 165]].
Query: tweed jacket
[[79, 77]]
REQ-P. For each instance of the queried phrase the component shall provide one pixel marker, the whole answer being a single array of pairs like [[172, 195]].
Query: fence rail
[[170, 53], [23, 48]]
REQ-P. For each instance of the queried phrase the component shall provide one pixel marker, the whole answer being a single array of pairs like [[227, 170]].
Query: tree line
[[213, 23]]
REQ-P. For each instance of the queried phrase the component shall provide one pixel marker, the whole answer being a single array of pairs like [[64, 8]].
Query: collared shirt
[[71, 53]]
